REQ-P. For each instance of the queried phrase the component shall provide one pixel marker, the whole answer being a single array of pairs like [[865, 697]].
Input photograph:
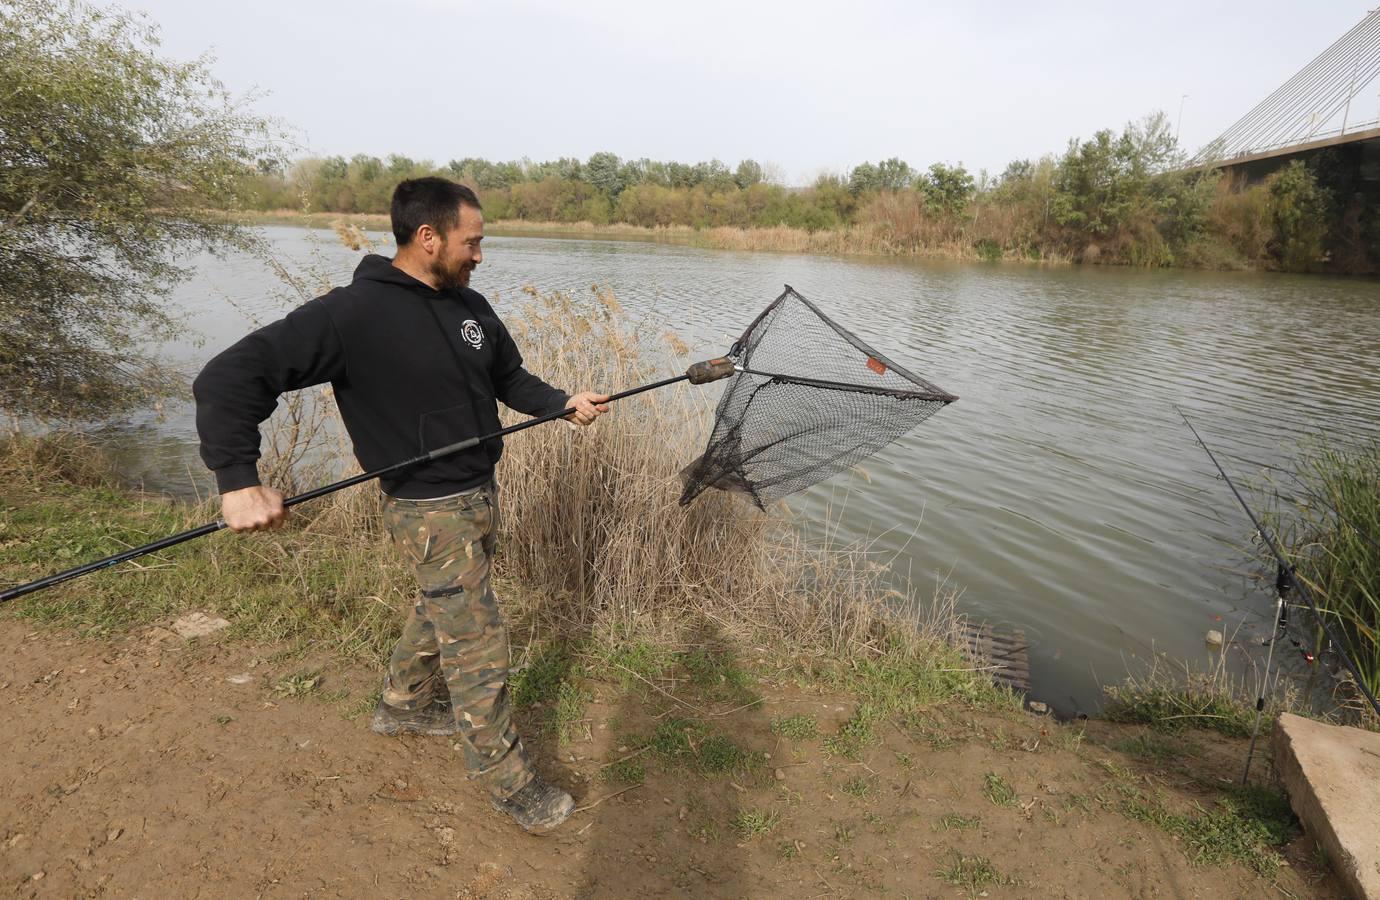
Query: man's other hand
[[252, 509], [587, 407]]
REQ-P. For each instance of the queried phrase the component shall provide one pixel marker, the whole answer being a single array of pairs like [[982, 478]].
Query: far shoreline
[[857, 241]]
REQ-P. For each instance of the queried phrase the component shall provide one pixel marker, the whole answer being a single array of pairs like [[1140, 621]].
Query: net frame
[[773, 422]]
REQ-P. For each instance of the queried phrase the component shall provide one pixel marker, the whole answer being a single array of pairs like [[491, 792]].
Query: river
[[1062, 494]]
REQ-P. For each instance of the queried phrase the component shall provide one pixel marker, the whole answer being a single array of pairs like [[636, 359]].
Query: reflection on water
[[1062, 494]]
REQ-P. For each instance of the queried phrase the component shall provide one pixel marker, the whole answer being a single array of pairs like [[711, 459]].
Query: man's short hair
[[428, 201]]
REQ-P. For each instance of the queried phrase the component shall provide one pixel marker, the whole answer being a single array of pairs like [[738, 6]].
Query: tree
[[863, 178], [947, 188], [1301, 210], [604, 172], [748, 173], [108, 156], [894, 174]]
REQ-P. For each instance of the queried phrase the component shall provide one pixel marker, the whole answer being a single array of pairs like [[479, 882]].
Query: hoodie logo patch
[[472, 333]]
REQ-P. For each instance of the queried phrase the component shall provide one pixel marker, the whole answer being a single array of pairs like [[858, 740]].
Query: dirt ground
[[151, 766]]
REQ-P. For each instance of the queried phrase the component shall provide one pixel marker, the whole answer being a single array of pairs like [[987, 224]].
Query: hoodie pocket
[[443, 427]]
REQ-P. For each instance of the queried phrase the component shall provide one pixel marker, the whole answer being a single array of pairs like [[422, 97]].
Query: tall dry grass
[[595, 532]]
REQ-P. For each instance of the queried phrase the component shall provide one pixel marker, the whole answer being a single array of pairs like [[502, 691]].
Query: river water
[[1062, 494]]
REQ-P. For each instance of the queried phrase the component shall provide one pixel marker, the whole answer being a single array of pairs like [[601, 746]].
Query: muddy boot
[[538, 807], [436, 718]]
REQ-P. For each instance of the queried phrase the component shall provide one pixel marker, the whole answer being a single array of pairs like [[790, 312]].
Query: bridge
[[1311, 112]]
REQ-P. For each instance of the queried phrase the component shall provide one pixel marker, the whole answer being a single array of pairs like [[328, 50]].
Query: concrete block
[[1332, 775]]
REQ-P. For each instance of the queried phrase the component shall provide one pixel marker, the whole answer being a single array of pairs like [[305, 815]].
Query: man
[[417, 361]]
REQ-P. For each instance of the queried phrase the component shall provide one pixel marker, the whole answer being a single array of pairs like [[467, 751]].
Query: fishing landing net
[[808, 400]]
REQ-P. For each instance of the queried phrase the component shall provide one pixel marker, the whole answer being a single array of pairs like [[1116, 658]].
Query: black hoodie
[[413, 369]]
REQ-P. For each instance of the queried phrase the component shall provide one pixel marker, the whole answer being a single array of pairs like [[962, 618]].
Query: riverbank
[[853, 240], [712, 759], [236, 768]]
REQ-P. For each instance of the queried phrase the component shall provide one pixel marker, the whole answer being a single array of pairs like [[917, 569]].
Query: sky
[[804, 86]]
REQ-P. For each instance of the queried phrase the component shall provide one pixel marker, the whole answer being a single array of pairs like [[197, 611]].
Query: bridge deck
[[1351, 137]]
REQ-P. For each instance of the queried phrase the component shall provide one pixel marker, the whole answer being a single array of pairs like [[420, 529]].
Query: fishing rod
[[1285, 572], [699, 373]]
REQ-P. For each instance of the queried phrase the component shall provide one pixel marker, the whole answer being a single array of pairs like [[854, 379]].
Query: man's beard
[[453, 279]]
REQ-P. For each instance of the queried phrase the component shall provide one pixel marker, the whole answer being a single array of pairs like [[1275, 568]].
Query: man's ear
[[428, 238]]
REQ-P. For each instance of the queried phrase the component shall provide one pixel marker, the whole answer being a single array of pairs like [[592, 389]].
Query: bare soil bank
[[149, 766]]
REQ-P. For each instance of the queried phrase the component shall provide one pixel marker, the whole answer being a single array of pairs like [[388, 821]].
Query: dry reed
[[594, 529]]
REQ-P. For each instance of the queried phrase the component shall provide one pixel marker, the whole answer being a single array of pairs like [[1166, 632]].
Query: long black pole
[[1288, 570], [696, 375]]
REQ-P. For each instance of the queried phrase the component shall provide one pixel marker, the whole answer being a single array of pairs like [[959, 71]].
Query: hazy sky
[[807, 86]]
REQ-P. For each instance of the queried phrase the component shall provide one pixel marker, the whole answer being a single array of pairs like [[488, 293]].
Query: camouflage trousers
[[455, 639]]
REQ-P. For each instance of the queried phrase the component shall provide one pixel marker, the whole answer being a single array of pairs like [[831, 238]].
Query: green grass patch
[[862, 787], [958, 822], [906, 679], [797, 728], [972, 873], [720, 755], [998, 790], [541, 679], [637, 663], [750, 823], [625, 771], [694, 745], [715, 673], [1171, 706], [856, 734], [567, 716], [1154, 747], [1246, 826], [68, 525], [302, 584]]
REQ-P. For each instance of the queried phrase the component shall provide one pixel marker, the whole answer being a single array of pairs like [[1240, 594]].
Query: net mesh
[[810, 400]]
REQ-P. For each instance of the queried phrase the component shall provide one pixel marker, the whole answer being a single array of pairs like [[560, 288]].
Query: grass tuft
[[998, 790], [972, 873], [1174, 704], [750, 823], [717, 676], [693, 744], [958, 822], [568, 716], [541, 679], [626, 771], [856, 734], [861, 787], [797, 728]]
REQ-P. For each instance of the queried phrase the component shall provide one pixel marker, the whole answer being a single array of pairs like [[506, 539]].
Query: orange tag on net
[[876, 365]]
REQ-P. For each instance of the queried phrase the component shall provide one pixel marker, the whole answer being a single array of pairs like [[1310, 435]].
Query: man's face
[[460, 252]]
